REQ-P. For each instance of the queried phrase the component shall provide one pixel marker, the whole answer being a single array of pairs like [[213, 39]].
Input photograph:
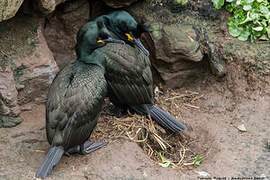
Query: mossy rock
[[8, 122], [18, 39], [8, 8]]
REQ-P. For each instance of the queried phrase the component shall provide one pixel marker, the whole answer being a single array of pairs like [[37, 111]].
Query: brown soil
[[211, 108]]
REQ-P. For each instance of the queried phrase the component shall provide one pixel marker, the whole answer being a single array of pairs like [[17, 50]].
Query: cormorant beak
[[110, 40], [138, 43]]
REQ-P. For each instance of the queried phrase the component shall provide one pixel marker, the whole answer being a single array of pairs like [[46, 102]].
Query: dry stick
[[177, 97], [192, 106], [151, 151], [135, 128], [138, 141], [197, 97], [182, 156], [159, 140]]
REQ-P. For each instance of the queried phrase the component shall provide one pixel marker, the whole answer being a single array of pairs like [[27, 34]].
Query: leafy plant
[[196, 162], [181, 2], [164, 162], [251, 18]]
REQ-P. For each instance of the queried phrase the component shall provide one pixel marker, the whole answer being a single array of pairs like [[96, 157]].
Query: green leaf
[[268, 31], [254, 15], [265, 11], [218, 3], [197, 160], [264, 37], [251, 18], [259, 28], [234, 31], [164, 162], [229, 8], [247, 7], [244, 35]]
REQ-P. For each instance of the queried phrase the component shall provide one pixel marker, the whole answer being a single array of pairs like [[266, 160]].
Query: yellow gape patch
[[100, 41], [129, 37]]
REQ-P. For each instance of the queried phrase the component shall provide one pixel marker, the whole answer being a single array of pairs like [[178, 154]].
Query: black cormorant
[[75, 100], [128, 70]]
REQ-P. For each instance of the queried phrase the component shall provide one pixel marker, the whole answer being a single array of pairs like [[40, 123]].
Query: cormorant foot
[[89, 147], [73, 150], [116, 111], [67, 154]]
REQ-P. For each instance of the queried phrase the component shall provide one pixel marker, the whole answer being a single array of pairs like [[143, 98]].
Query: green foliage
[[164, 162], [251, 18], [181, 2], [197, 160], [218, 3]]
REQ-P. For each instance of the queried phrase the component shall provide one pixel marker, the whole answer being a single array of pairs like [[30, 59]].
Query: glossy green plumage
[[74, 103], [128, 71], [128, 74]]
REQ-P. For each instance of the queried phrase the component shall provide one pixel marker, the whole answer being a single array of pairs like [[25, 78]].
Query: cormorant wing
[[128, 74], [74, 102]]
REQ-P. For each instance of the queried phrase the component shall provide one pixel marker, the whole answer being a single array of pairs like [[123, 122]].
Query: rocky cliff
[[186, 43]]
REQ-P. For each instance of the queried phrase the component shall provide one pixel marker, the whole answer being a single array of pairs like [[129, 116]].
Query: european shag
[[75, 100], [128, 70], [124, 26]]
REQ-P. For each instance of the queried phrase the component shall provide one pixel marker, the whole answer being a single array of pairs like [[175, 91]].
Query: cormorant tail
[[52, 158], [161, 117]]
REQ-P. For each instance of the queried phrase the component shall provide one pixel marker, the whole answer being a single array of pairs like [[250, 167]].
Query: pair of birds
[[111, 61]]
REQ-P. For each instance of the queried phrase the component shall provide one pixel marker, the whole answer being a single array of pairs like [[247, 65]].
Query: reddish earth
[[213, 118]]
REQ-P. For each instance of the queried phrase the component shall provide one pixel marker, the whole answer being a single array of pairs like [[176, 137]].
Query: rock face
[[174, 52], [174, 46], [8, 8], [27, 66], [9, 108], [35, 72], [119, 3], [48, 6], [61, 29], [177, 43]]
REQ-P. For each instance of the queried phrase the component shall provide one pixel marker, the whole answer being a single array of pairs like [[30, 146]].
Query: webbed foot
[[85, 148], [89, 147], [73, 150]]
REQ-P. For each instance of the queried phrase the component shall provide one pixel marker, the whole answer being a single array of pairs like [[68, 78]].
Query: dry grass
[[177, 148]]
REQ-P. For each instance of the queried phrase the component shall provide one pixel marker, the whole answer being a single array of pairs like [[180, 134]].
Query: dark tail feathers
[[52, 158], [161, 117]]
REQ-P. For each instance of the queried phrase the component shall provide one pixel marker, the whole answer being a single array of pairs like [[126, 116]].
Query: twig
[[192, 106]]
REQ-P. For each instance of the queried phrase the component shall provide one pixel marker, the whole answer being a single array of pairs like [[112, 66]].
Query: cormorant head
[[123, 25], [91, 36]]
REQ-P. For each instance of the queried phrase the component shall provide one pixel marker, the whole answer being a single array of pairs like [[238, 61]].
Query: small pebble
[[242, 128]]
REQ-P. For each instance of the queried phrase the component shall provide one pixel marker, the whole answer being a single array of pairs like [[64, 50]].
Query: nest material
[[156, 142]]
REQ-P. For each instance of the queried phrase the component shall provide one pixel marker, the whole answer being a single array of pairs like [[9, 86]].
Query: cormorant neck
[[106, 19], [95, 58]]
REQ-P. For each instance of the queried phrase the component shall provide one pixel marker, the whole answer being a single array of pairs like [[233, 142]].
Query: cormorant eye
[[103, 36]]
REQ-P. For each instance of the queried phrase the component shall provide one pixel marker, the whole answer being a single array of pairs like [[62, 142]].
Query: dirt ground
[[213, 118]]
